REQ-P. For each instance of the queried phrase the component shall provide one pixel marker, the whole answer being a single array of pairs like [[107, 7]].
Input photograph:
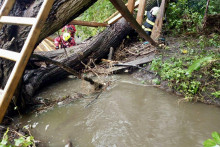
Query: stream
[[127, 114]]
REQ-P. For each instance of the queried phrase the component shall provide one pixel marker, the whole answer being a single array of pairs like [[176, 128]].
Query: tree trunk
[[12, 37], [63, 11], [96, 48]]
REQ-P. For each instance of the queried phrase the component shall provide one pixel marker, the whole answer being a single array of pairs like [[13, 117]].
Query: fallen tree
[[96, 48], [63, 11], [12, 37]]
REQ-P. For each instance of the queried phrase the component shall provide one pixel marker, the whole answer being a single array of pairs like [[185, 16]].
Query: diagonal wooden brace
[[120, 6]]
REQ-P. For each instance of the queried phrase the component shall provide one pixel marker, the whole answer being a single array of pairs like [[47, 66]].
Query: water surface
[[127, 114]]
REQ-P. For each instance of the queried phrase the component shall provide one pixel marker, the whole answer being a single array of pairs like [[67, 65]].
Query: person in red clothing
[[69, 29], [65, 41]]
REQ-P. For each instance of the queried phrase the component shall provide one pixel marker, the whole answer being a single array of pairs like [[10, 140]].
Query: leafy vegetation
[[190, 73], [100, 11], [22, 141], [215, 142], [187, 15]]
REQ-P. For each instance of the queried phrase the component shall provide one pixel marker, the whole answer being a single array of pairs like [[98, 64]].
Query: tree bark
[[96, 48], [12, 37]]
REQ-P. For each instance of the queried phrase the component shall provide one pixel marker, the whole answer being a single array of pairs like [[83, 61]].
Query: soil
[[129, 51]]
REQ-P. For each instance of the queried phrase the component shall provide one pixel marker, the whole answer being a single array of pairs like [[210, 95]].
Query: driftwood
[[121, 67]]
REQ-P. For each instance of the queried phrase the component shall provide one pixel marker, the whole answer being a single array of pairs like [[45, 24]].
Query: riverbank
[[186, 66]]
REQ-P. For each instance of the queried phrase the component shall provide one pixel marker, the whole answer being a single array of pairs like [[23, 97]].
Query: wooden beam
[[1, 92], [114, 14], [117, 17], [11, 55], [119, 4], [121, 67], [17, 20], [89, 24], [141, 10], [6, 8], [49, 38], [156, 31], [131, 5]]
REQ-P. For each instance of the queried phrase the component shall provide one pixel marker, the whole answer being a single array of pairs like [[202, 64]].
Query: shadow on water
[[127, 114]]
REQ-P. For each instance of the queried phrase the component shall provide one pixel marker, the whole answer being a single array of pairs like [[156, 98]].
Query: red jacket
[[70, 29], [59, 41]]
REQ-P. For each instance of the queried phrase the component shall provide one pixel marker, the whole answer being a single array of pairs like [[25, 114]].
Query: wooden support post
[[110, 53], [141, 10], [131, 5], [120, 6], [114, 14], [89, 24], [159, 22], [118, 16]]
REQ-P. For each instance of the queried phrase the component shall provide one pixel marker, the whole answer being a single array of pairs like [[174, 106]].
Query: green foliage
[[214, 7], [155, 64], [4, 142], [22, 141], [156, 81], [100, 11], [187, 15], [215, 142], [216, 73], [216, 94], [205, 41], [176, 73], [197, 64]]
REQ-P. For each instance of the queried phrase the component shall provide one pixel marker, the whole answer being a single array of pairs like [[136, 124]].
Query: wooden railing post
[[159, 22], [141, 10], [120, 6], [131, 5]]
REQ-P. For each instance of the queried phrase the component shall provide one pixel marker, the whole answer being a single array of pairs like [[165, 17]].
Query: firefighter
[[64, 41], [151, 18], [69, 29]]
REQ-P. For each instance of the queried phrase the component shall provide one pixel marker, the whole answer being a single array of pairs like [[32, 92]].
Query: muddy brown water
[[127, 114]]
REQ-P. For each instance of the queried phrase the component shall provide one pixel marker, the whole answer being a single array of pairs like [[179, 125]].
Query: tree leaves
[[215, 142]]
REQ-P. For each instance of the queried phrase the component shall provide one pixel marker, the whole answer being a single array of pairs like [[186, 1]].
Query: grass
[[100, 11]]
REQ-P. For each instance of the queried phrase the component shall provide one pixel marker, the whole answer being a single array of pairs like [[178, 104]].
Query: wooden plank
[[26, 51], [159, 22], [1, 92], [28, 21], [14, 56], [48, 48], [131, 5], [49, 38], [119, 16], [141, 10], [124, 66], [50, 43], [89, 24], [114, 14], [119, 4], [6, 8]]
